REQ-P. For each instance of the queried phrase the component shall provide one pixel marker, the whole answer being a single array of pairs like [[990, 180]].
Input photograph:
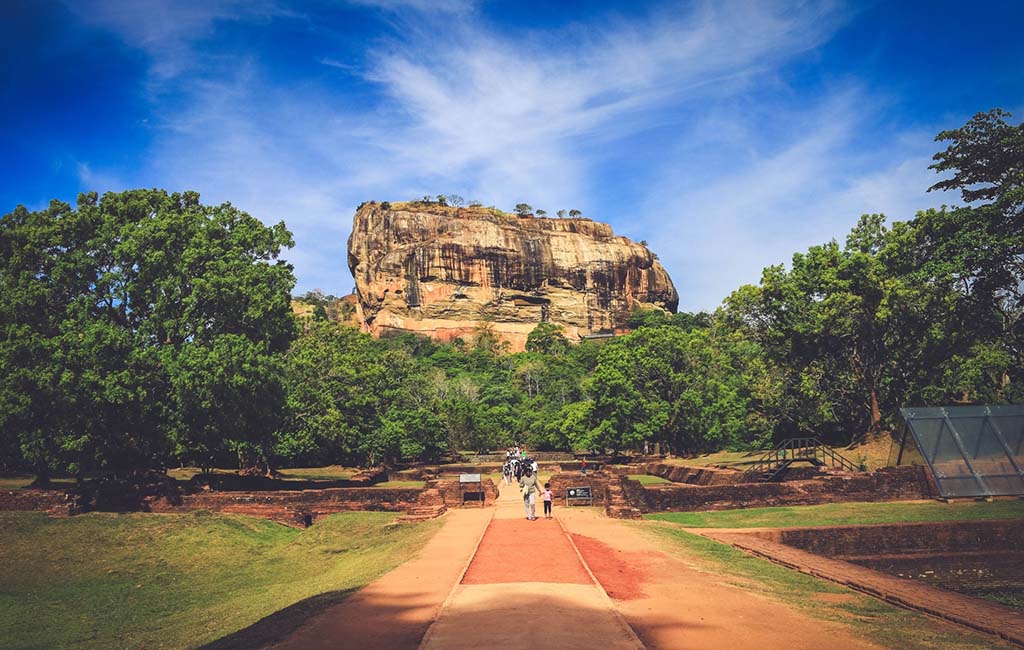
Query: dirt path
[[531, 585], [527, 588], [672, 605], [394, 611]]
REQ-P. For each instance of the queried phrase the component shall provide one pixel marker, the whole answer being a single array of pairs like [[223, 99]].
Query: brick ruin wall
[[693, 475], [289, 507], [55, 502], [886, 484], [843, 542], [539, 456], [596, 481], [964, 556], [457, 494]]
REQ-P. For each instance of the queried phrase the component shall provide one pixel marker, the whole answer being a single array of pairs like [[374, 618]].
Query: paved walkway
[[394, 611], [527, 587]]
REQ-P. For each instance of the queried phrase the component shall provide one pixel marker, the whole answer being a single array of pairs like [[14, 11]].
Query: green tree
[[523, 209], [547, 338], [115, 304]]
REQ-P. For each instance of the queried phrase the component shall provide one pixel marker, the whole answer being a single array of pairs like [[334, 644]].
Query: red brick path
[[517, 550]]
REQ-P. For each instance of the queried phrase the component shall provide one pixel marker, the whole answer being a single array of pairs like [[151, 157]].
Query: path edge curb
[[619, 618]]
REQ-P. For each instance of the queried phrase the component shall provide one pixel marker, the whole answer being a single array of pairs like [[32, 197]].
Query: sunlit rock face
[[442, 271]]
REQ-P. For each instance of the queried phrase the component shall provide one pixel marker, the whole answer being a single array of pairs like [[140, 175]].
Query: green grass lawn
[[15, 482], [178, 581], [648, 479], [404, 483], [876, 620], [874, 453], [837, 514], [329, 473]]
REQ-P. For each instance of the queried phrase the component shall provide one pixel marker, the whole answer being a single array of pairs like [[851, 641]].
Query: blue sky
[[729, 135]]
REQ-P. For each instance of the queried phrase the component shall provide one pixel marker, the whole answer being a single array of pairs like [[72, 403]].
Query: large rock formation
[[442, 271]]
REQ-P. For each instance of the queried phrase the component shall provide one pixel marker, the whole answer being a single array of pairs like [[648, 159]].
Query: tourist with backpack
[[528, 486]]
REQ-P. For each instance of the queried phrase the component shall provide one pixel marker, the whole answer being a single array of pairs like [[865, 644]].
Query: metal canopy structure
[[972, 451]]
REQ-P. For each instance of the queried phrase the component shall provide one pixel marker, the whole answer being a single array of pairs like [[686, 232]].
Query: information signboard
[[579, 494], [472, 488]]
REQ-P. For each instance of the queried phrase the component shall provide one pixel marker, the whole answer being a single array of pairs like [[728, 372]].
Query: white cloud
[[808, 187], [460, 108], [426, 6], [167, 29]]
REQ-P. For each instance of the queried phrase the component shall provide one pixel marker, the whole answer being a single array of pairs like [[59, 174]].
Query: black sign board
[[579, 492]]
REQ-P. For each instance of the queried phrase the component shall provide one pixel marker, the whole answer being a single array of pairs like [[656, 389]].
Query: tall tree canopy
[[141, 326]]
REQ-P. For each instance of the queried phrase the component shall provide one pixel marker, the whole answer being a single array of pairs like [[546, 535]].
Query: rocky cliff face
[[442, 271]]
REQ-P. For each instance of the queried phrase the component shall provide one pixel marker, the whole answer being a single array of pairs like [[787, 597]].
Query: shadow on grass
[[280, 624]]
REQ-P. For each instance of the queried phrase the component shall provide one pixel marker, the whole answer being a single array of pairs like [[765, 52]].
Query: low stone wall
[[694, 475], [625, 470], [886, 484], [55, 502], [963, 556], [454, 492], [845, 542], [915, 594], [554, 456], [302, 507], [237, 483], [596, 481], [634, 493]]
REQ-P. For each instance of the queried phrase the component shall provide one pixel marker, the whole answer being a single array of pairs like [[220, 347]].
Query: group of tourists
[[516, 463], [523, 469]]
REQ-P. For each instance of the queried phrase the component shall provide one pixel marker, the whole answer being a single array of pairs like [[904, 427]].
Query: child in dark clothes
[[547, 500]]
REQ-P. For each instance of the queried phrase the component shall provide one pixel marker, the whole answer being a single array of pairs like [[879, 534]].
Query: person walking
[[583, 466], [546, 495], [528, 486]]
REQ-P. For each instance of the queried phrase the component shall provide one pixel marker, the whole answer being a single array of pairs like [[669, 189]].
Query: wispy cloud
[[455, 106], [507, 112], [426, 6], [167, 30], [779, 197]]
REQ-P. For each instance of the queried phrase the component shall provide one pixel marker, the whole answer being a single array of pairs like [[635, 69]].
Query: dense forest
[[145, 329]]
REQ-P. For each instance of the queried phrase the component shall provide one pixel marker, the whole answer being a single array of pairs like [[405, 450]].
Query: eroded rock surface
[[441, 271]]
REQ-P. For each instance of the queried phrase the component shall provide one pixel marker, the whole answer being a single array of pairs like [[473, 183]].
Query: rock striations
[[442, 271]]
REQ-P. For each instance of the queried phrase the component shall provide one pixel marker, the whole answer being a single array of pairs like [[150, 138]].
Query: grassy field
[[874, 453], [648, 479], [178, 581], [329, 473], [14, 482], [403, 483], [884, 624], [838, 514]]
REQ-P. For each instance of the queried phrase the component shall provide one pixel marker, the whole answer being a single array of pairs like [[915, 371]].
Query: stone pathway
[[394, 611]]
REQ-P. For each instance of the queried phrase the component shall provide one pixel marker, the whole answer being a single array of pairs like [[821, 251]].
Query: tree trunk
[[42, 477], [876, 413]]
